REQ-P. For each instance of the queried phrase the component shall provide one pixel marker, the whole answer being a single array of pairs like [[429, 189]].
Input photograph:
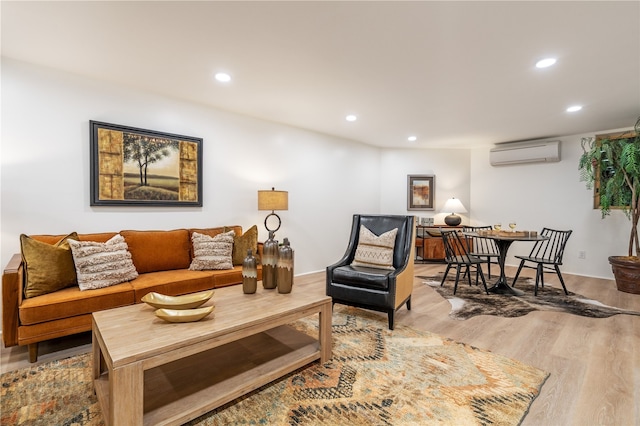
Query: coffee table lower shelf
[[187, 388]]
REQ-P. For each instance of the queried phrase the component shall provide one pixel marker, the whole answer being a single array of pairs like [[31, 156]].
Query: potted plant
[[611, 165]]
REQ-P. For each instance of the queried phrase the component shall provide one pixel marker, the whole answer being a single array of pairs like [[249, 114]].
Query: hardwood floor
[[594, 364]]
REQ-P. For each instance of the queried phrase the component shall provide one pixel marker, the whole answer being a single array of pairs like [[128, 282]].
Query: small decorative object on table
[[249, 273], [285, 267], [186, 301], [184, 315], [269, 262]]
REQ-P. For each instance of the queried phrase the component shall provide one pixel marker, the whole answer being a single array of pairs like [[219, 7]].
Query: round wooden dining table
[[503, 242]]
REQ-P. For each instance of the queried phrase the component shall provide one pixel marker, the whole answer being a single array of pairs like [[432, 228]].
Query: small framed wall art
[[421, 192], [138, 167]]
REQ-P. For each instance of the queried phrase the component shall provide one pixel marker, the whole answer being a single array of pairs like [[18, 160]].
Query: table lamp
[[453, 205], [273, 200]]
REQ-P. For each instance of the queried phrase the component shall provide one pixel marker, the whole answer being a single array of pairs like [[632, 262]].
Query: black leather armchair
[[372, 288]]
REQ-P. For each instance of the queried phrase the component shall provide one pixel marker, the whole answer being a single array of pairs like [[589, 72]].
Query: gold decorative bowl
[[187, 301], [184, 315]]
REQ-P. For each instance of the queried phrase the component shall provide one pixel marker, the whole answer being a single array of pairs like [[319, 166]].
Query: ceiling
[[454, 74]]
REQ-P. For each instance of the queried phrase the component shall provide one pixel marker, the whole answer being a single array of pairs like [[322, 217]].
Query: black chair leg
[[409, 303], [467, 272], [539, 278], [561, 280], [455, 286], [513, 284], [484, 282], [444, 277], [390, 314]]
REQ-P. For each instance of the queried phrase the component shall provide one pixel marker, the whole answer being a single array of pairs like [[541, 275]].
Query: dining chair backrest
[[479, 246], [455, 247], [551, 250]]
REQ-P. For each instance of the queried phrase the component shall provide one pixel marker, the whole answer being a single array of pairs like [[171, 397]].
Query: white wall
[[45, 166], [45, 175], [549, 195], [449, 166]]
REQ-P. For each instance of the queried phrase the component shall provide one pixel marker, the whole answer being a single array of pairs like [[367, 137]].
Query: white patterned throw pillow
[[375, 251], [212, 252], [101, 265]]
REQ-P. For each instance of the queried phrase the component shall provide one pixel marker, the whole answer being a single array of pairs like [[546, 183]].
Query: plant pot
[[626, 269]]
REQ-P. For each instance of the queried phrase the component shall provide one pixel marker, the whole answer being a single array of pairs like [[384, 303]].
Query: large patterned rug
[[376, 377], [470, 301]]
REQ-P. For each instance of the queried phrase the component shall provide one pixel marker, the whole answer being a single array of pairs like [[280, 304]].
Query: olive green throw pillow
[[48, 267], [244, 242]]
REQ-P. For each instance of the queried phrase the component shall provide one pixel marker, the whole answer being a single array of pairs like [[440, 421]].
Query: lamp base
[[267, 218], [453, 220]]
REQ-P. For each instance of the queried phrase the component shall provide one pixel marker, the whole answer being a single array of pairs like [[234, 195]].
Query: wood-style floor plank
[[594, 364]]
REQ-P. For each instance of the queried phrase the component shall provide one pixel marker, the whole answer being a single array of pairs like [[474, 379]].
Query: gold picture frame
[[138, 167]]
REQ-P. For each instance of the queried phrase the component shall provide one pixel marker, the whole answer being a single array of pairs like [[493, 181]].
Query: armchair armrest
[[12, 279]]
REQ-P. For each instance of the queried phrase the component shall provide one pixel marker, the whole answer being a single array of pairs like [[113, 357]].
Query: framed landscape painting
[[138, 167], [421, 192]]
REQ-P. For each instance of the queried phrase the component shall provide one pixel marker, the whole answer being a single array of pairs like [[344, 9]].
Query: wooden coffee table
[[148, 371]]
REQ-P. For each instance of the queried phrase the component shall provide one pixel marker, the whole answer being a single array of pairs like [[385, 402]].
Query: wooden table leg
[[95, 355], [126, 399], [325, 332]]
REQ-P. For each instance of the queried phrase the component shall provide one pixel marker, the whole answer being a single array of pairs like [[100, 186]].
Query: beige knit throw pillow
[[375, 251], [101, 265]]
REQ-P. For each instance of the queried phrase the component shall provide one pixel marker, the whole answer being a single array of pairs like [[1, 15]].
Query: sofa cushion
[[175, 283], [375, 251], [244, 242], [70, 302], [102, 264], [212, 232], [100, 237], [212, 252], [153, 251], [48, 267], [233, 276]]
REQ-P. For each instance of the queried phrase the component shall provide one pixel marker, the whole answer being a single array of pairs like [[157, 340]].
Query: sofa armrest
[[12, 279]]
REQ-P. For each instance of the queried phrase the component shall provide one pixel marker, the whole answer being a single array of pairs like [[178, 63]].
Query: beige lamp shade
[[273, 200], [453, 206]]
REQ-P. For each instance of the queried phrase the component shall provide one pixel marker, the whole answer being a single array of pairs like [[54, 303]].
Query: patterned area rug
[[470, 301], [376, 377]]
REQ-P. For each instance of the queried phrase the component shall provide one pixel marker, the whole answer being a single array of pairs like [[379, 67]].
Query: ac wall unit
[[525, 152]]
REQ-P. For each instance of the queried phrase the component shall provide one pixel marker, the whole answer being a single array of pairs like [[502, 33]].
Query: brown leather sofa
[[161, 258]]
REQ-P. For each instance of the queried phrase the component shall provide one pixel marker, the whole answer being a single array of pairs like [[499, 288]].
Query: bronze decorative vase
[[269, 262], [285, 267], [249, 273]]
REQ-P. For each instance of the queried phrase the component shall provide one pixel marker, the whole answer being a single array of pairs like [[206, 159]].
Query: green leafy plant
[[612, 166]]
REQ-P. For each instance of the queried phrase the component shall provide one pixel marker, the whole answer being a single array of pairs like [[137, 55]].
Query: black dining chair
[[546, 255], [483, 248], [457, 256]]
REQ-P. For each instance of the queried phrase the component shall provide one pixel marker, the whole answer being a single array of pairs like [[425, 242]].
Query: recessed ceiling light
[[223, 77], [351, 117], [412, 138], [546, 62], [574, 108]]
